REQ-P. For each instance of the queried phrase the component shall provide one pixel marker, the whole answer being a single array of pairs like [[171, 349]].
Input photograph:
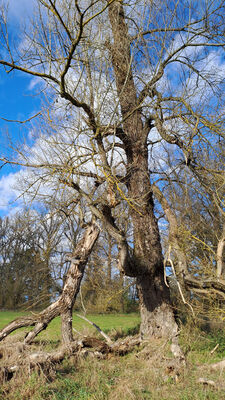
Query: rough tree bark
[[156, 314], [64, 305]]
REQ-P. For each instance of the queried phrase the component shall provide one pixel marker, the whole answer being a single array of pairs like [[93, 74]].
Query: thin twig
[[107, 338], [82, 303], [21, 122], [214, 349]]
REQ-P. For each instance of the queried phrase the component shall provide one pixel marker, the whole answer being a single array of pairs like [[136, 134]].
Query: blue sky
[[17, 102]]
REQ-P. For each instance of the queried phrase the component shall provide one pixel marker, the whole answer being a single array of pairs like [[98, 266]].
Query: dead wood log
[[39, 359], [210, 382], [64, 305], [124, 346], [22, 360]]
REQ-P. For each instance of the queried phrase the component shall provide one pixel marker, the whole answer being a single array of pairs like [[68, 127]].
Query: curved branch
[[13, 66]]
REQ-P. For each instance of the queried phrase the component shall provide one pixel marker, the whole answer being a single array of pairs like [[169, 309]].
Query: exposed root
[[27, 362]]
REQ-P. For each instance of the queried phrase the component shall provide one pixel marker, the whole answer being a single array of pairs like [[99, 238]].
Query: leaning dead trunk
[[64, 305]]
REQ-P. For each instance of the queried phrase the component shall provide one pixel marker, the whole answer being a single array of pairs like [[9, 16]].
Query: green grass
[[7, 316], [124, 323], [198, 344]]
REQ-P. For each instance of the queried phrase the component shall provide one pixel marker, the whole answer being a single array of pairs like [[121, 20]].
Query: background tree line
[[33, 265]]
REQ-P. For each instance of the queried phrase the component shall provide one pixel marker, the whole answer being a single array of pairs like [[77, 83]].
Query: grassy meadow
[[118, 324], [142, 374]]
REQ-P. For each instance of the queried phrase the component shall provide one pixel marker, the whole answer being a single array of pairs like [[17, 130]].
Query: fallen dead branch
[[206, 382], [214, 349], [21, 359], [107, 338], [212, 383]]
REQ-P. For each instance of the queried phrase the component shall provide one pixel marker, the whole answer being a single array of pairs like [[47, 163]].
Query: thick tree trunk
[[156, 316], [156, 313]]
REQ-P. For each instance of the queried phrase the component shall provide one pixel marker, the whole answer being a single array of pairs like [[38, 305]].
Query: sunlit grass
[[107, 322]]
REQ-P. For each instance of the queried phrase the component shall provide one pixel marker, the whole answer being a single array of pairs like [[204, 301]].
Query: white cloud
[[14, 194], [8, 193], [34, 82]]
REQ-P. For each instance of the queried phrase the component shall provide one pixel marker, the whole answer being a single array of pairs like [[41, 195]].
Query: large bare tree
[[123, 81]]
